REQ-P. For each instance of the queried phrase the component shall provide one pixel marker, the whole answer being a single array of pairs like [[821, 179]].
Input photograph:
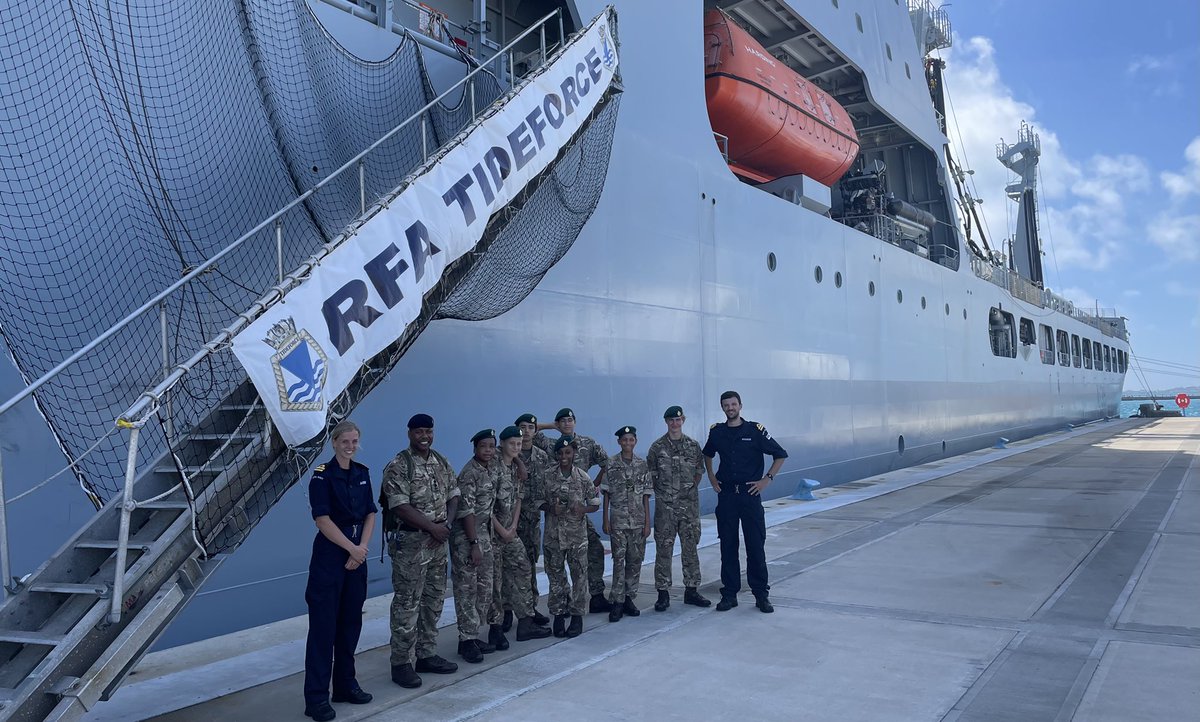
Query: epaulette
[[760, 427], [320, 468], [712, 427]]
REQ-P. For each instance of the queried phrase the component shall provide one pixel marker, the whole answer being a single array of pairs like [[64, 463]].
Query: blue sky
[[1114, 91]]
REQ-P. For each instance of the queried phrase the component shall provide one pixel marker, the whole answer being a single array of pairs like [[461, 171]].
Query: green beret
[[485, 434], [564, 413], [673, 412], [561, 444], [526, 419], [510, 432], [626, 430]]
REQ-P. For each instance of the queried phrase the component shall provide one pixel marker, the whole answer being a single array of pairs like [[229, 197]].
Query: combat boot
[[436, 665], [405, 676], [469, 650], [693, 597], [664, 601], [321, 712], [496, 637], [764, 604], [630, 608], [726, 604], [528, 629], [576, 627], [560, 625], [508, 616], [614, 614], [599, 604], [540, 619], [485, 647]]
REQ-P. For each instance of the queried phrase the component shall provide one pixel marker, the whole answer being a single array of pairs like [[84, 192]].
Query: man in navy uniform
[[739, 483]]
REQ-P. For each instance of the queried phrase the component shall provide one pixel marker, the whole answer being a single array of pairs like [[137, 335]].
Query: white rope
[[71, 465]]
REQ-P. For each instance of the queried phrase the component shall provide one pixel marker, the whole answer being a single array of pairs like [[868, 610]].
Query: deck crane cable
[[1049, 231], [963, 154]]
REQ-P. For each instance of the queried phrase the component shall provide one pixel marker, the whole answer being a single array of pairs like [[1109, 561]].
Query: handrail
[[200, 269]]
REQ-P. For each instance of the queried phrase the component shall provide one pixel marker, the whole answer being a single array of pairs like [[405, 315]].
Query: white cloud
[[1148, 63], [1131, 293], [1178, 235], [1183, 184]]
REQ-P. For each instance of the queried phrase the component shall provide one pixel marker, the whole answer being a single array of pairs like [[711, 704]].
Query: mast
[[1022, 158]]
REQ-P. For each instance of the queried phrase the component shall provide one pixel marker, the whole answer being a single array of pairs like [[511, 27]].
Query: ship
[[776, 211]]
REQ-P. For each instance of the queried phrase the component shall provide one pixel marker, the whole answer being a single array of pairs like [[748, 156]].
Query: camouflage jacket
[[576, 488], [538, 465], [476, 483], [508, 491], [674, 468], [428, 488], [626, 484]]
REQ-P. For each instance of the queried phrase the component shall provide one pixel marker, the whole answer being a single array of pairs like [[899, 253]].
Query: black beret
[[420, 421], [673, 412], [526, 419], [626, 430], [485, 434], [564, 413], [561, 444], [510, 432]]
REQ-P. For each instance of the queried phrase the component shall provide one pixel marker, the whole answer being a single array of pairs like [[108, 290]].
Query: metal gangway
[[74, 628]]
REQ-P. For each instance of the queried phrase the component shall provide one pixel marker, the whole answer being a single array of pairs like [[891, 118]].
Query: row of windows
[[1071, 351]]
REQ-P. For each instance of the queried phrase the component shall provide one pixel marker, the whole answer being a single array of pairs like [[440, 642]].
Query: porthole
[[817, 274], [771, 261], [907, 72], [835, 3], [964, 314], [858, 21], [900, 445], [922, 303], [837, 279], [871, 288], [947, 309], [888, 48], [899, 296]]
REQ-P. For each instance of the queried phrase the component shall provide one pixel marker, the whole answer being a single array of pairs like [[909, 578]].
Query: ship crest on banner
[[300, 367]]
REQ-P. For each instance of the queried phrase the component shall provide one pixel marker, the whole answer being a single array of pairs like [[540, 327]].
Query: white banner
[[304, 351]]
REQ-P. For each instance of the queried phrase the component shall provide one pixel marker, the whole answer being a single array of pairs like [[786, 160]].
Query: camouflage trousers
[[472, 584], [419, 583], [572, 597], [628, 551], [595, 559], [669, 521], [529, 529], [510, 583]]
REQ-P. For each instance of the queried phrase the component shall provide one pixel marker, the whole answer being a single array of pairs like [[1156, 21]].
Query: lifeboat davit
[[778, 123]]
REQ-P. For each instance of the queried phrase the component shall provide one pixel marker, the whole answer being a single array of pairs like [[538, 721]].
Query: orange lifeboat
[[778, 123]]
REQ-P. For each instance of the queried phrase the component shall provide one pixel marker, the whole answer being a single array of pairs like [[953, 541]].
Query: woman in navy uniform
[[343, 508]]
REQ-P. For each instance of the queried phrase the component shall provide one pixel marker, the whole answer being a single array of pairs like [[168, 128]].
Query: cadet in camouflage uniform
[[511, 576], [569, 496], [626, 491], [676, 465], [471, 548], [529, 529], [588, 453], [419, 489]]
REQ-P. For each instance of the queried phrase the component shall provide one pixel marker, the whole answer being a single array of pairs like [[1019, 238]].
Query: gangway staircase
[[73, 629]]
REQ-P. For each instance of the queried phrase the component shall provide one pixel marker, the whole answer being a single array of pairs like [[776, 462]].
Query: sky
[[1114, 93]]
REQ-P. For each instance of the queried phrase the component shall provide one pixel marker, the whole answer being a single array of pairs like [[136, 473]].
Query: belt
[[353, 532], [405, 526], [735, 486]]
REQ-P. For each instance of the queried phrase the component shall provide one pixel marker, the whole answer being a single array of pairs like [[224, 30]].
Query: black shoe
[[664, 601], [560, 625], [599, 604], [404, 676], [576, 627], [528, 629], [630, 608], [614, 614], [691, 596], [763, 604], [320, 712], [726, 604], [469, 650], [354, 696], [496, 637], [508, 616], [540, 619], [485, 647], [436, 665]]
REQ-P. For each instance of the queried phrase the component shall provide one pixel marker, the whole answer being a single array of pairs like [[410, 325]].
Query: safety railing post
[[279, 247], [166, 367], [5, 569], [424, 138], [562, 40], [362, 185], [472, 89], [542, 38], [127, 507]]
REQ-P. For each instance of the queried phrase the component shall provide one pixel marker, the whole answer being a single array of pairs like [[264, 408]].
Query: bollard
[[1000, 443], [804, 490]]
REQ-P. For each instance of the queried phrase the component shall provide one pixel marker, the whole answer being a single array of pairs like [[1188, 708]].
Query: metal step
[[98, 590], [110, 544], [41, 639], [163, 504]]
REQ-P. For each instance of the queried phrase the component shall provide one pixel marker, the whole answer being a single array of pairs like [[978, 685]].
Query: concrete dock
[[1057, 579]]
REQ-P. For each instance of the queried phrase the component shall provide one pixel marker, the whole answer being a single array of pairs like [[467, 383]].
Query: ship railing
[[723, 144], [150, 402], [989, 272], [1024, 289]]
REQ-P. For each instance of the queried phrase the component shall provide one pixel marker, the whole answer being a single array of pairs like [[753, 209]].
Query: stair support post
[[127, 507], [5, 569]]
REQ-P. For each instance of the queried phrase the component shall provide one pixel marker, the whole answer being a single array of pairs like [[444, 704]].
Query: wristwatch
[[771, 477], [473, 541]]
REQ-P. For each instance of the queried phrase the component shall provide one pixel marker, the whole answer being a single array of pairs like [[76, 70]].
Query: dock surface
[[1054, 580]]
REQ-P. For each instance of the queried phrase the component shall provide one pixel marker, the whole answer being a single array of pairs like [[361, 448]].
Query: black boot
[[436, 665], [405, 676], [528, 629], [691, 596], [599, 604], [354, 696], [576, 627], [614, 614], [507, 619], [764, 604], [496, 637], [540, 619], [664, 601], [726, 604], [485, 647], [320, 712], [469, 650], [560, 625], [630, 608]]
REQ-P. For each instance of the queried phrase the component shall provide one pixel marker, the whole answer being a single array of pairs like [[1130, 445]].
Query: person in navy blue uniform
[[739, 483], [343, 508]]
